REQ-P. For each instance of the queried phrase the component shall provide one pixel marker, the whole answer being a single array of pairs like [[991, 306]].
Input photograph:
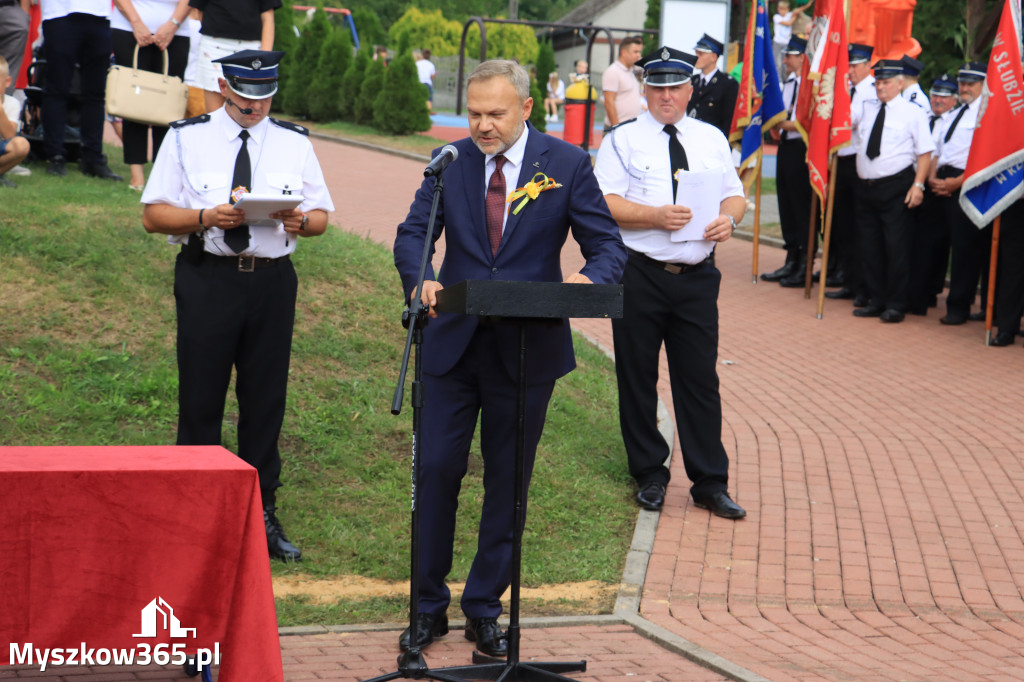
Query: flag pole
[[812, 245], [828, 233], [993, 263], [757, 219]]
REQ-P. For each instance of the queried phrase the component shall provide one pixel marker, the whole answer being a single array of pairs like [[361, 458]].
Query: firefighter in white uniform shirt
[[892, 163], [671, 287], [234, 284]]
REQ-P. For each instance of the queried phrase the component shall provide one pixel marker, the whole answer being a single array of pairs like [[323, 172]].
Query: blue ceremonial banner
[[759, 105]]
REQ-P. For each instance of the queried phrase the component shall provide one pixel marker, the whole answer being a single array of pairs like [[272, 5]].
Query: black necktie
[[931, 122], [875, 139], [676, 156], [238, 238], [952, 126]]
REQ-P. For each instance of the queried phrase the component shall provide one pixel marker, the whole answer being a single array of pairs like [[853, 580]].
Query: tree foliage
[[505, 41], [352, 83], [373, 80], [427, 30], [652, 20], [537, 118], [286, 41], [368, 24], [304, 66], [326, 87], [545, 64], [400, 107]]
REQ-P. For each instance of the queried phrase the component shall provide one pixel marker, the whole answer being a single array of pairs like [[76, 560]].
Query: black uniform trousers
[[244, 320], [970, 252], [151, 58], [929, 254], [793, 187], [886, 229], [1010, 274], [681, 311], [845, 236], [83, 39], [478, 385]]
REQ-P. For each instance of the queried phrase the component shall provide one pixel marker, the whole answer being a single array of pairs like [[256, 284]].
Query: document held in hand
[[699, 191]]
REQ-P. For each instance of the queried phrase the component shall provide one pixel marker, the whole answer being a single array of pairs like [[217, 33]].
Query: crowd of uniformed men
[[898, 228]]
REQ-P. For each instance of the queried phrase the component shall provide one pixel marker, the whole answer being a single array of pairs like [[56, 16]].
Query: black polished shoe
[[798, 280], [785, 271], [277, 542], [836, 279], [428, 626], [843, 293], [56, 167], [490, 640], [1002, 339], [99, 169], [720, 504], [870, 311], [860, 300], [952, 320], [977, 317], [892, 315], [651, 496]]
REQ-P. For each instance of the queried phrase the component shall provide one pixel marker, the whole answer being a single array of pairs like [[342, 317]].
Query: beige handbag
[[145, 96]]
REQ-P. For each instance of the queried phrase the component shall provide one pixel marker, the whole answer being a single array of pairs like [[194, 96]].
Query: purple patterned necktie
[[494, 204]]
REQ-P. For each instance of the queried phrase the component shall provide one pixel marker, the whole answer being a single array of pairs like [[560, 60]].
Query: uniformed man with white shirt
[[671, 287], [892, 163], [793, 177], [844, 225], [714, 92], [931, 238], [234, 284], [912, 91], [969, 244]]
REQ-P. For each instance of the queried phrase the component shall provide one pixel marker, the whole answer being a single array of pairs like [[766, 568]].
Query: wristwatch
[[733, 221], [919, 185], [305, 222], [175, 22]]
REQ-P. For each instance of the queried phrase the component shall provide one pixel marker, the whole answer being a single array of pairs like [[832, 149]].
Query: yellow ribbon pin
[[531, 190]]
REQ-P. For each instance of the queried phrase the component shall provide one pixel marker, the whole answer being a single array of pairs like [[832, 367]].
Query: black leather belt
[[244, 263], [901, 176], [946, 171], [8, 3], [674, 268]]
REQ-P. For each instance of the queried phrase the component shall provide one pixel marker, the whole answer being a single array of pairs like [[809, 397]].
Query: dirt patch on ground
[[357, 587]]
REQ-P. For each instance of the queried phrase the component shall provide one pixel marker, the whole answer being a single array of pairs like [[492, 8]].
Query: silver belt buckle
[[246, 263]]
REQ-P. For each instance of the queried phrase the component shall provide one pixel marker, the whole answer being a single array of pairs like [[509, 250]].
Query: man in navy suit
[[469, 368]]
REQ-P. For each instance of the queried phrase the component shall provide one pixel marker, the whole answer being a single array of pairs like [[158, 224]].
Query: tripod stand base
[[411, 666]]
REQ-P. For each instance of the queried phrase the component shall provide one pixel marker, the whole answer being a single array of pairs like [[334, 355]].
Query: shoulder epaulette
[[620, 124], [288, 125], [202, 118]]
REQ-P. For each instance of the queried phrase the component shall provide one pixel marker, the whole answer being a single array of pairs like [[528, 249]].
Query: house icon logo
[[170, 622]]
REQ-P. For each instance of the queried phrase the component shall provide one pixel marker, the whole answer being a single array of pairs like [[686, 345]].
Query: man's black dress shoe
[[720, 504], [487, 634], [870, 311], [428, 626], [977, 317], [56, 167], [860, 300], [1002, 339], [651, 496], [785, 271], [836, 279], [953, 320], [277, 542], [99, 169], [892, 315], [795, 281], [843, 293]]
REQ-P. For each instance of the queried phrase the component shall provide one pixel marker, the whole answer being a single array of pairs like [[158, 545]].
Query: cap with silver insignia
[[860, 53], [251, 73], [911, 66], [796, 45], [888, 68], [709, 44], [667, 66], [972, 72], [943, 86]]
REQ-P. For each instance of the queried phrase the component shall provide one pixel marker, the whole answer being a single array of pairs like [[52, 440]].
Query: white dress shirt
[[511, 168], [55, 9], [915, 95], [862, 92], [954, 153], [633, 163], [195, 168], [905, 136], [789, 97]]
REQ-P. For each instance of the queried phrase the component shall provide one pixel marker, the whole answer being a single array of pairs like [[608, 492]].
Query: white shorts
[[211, 48]]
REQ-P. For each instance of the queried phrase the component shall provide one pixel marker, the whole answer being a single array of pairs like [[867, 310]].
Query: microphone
[[245, 112], [441, 161]]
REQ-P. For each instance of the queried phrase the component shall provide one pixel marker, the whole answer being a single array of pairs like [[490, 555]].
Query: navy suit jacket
[[530, 249]]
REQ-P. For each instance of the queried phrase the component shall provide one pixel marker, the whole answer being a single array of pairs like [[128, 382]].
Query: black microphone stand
[[411, 664]]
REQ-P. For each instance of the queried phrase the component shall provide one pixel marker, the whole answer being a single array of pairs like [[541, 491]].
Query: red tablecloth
[[89, 536]]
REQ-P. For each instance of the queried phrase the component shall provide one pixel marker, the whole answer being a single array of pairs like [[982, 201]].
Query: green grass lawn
[[87, 331]]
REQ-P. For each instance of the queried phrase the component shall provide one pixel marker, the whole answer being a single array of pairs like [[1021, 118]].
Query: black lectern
[[524, 304]]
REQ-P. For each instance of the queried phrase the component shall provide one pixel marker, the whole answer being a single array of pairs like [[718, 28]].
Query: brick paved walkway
[[881, 466]]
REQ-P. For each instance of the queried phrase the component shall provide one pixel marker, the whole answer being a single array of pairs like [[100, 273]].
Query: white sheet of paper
[[258, 207], [699, 191]]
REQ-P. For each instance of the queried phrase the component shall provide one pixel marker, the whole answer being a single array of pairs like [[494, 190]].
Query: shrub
[[325, 90], [307, 59], [352, 82], [373, 80], [401, 105]]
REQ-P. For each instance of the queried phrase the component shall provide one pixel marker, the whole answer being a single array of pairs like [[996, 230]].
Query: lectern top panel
[[493, 298]]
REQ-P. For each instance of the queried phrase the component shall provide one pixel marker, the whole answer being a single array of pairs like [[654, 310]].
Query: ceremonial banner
[[823, 105], [994, 177], [759, 103]]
